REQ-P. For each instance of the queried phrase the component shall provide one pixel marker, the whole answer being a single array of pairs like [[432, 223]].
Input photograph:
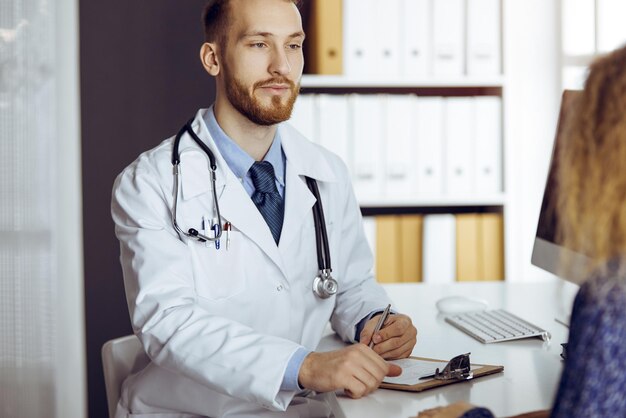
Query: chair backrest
[[120, 358]]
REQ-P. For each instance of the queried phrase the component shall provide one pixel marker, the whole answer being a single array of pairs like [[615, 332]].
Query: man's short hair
[[215, 19]]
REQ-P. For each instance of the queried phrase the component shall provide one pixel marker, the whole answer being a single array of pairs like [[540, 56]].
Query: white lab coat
[[221, 325]]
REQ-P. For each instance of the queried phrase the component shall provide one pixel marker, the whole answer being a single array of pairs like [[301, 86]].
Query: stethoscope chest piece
[[324, 285]]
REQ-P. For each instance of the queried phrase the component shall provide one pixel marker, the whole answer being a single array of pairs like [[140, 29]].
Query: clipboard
[[478, 370]]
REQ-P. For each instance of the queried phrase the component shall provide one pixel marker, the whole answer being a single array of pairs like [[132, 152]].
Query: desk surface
[[532, 368]]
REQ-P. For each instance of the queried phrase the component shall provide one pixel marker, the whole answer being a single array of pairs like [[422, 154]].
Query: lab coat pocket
[[219, 273]]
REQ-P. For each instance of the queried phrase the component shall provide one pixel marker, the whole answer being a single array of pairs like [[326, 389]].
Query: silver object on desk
[[496, 326]]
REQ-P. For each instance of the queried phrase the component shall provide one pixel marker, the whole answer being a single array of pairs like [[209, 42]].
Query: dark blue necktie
[[266, 196]]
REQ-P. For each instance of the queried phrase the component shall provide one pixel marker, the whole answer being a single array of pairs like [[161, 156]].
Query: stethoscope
[[324, 285]]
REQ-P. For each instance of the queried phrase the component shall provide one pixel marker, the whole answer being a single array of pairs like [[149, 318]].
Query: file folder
[[369, 153], [387, 39], [483, 37], [439, 249], [334, 125], [488, 139], [448, 33], [324, 43], [415, 54], [430, 146], [459, 150], [400, 128], [468, 248], [388, 249], [358, 23]]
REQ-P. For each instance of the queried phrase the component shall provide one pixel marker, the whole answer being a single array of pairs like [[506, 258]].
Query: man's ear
[[209, 58]]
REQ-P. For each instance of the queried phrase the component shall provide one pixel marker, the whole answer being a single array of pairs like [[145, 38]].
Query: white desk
[[532, 368]]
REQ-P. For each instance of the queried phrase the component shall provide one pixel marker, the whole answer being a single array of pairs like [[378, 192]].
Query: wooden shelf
[[494, 200], [340, 81]]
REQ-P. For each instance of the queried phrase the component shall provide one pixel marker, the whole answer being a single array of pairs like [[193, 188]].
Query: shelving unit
[[432, 86]]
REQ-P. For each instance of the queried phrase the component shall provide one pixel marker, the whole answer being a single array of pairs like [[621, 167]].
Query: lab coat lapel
[[303, 159], [299, 202], [236, 206]]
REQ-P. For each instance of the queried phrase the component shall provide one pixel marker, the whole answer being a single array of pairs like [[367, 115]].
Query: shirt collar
[[237, 159]]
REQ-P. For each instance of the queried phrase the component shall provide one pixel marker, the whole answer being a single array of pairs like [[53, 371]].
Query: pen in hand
[[379, 325]]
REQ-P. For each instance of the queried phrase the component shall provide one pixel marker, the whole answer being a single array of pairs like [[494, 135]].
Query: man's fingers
[[395, 326], [397, 351], [394, 370]]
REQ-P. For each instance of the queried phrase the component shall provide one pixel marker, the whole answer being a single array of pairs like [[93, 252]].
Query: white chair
[[120, 358]]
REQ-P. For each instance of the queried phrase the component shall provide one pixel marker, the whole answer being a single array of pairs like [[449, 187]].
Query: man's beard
[[249, 105]]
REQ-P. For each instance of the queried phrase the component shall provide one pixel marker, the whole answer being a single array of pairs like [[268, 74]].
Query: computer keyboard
[[495, 326]]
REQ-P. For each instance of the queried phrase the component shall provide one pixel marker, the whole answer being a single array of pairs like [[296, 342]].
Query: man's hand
[[396, 339], [356, 369]]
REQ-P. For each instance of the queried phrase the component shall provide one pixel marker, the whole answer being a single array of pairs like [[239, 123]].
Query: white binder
[[459, 149], [416, 19], [430, 143], [483, 37], [578, 30], [488, 135], [358, 24], [387, 39], [304, 116], [367, 133], [439, 249], [333, 125], [448, 37], [400, 128], [611, 27]]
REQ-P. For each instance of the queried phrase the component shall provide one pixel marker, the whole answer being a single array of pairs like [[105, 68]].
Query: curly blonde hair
[[591, 201]]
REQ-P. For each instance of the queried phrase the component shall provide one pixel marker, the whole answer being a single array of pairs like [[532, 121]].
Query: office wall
[[140, 80]]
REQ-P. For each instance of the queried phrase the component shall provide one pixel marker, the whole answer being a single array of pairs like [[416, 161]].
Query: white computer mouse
[[458, 304]]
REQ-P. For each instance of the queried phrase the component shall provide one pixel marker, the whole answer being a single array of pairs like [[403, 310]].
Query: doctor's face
[[262, 59]]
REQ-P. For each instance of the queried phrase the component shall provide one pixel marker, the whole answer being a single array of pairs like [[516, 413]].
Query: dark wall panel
[[141, 79]]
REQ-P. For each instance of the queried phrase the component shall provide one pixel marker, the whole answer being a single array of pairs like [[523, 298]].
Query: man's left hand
[[395, 340]]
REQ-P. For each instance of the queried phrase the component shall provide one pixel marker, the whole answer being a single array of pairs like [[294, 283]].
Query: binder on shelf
[[411, 248], [488, 139], [358, 21], [415, 61], [400, 128], [369, 151], [448, 37], [610, 30], [304, 116], [430, 146], [579, 27], [334, 125], [468, 248], [483, 37], [439, 249], [459, 149], [492, 246], [387, 46], [388, 249], [324, 44]]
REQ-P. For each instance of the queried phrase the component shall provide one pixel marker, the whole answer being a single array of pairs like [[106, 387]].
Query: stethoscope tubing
[[324, 285]]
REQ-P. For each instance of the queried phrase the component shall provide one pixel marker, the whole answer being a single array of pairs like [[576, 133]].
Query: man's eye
[[295, 46], [258, 45]]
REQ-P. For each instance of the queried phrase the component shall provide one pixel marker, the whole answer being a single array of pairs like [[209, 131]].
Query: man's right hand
[[357, 369]]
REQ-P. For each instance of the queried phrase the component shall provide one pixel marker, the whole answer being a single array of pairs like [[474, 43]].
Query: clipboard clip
[[458, 368]]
